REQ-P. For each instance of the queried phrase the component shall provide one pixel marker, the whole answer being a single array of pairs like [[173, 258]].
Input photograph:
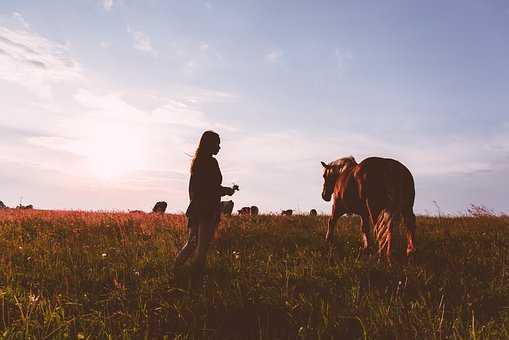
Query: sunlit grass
[[94, 275]]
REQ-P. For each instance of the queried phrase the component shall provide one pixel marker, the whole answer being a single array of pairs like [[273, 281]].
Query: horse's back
[[385, 182]]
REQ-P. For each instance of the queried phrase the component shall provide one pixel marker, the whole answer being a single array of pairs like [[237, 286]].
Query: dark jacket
[[205, 189]]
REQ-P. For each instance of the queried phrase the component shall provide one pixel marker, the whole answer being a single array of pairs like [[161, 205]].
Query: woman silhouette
[[205, 191]]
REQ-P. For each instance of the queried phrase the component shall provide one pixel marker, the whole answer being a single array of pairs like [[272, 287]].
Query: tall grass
[[90, 275]]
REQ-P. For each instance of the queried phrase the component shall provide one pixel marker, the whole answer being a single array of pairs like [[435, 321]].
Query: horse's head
[[331, 173]]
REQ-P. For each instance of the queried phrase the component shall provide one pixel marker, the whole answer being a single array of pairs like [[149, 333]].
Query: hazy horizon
[[103, 101]]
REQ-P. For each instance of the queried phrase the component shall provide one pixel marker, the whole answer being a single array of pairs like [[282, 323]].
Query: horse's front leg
[[336, 214], [366, 239]]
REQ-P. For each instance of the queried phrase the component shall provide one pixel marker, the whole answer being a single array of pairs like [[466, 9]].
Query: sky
[[104, 101]]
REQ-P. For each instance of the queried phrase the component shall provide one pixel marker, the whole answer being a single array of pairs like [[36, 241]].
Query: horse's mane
[[338, 162]]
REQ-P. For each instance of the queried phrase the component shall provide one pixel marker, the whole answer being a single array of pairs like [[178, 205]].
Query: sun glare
[[114, 152]]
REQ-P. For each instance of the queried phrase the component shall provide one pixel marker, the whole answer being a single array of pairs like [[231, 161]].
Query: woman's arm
[[227, 191], [206, 182]]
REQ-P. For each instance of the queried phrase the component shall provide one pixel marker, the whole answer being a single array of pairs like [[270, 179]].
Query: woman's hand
[[232, 190], [227, 191]]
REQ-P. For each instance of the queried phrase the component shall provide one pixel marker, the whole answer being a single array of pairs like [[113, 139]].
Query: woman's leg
[[205, 234], [190, 245]]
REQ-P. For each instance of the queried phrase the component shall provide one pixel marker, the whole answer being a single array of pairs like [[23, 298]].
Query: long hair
[[207, 141]]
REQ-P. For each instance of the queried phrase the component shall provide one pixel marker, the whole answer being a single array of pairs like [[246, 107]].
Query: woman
[[205, 193]]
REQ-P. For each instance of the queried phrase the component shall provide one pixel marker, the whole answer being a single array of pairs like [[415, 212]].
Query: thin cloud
[[181, 110], [19, 18], [142, 42], [453, 157], [107, 105], [34, 62], [82, 119], [273, 56], [208, 96], [343, 58], [107, 4], [204, 46]]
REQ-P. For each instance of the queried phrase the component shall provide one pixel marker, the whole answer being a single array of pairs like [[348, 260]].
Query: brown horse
[[380, 190]]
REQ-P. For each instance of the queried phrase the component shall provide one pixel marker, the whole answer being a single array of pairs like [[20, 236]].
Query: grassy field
[[86, 275]]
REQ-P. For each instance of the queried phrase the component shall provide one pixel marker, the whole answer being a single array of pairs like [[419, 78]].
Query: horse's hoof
[[364, 253], [410, 252]]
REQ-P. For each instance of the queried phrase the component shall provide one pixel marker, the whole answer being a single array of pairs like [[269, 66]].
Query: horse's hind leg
[[383, 233], [409, 220], [388, 235]]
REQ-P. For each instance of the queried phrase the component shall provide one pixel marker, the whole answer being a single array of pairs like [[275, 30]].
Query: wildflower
[[80, 336], [33, 298], [301, 331], [104, 254]]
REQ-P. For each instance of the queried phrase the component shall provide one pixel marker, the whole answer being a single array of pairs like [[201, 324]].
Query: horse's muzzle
[[326, 197]]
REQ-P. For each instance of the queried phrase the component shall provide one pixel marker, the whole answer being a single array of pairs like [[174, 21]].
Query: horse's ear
[[324, 165]]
